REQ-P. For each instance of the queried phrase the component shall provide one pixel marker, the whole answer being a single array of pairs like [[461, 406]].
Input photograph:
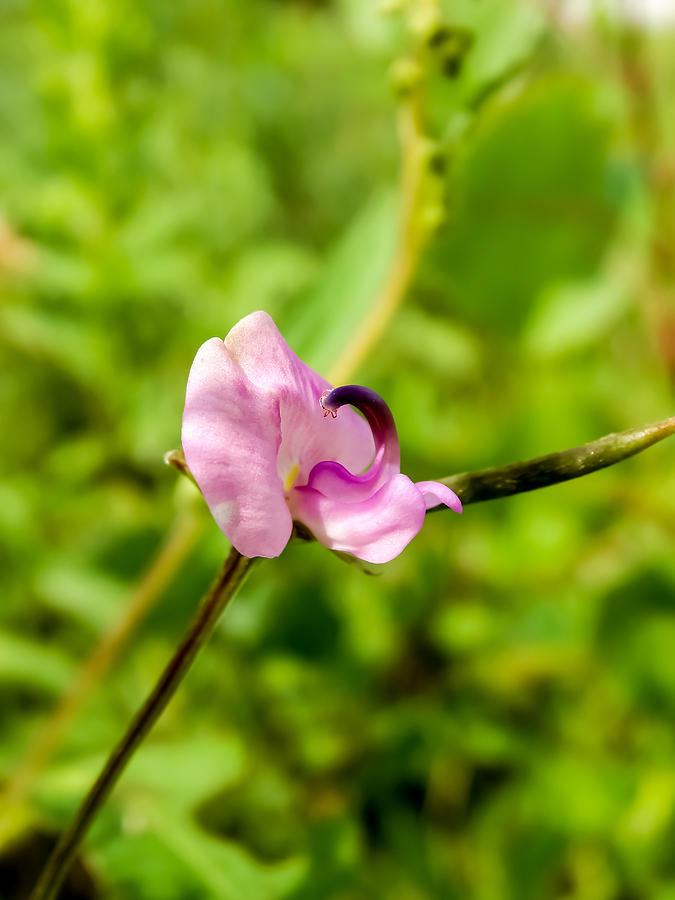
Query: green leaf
[[70, 588], [32, 664], [194, 863], [572, 316], [193, 767], [505, 35], [528, 206], [352, 277]]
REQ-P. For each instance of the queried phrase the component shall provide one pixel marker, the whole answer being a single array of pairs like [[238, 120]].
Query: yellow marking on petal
[[290, 477]]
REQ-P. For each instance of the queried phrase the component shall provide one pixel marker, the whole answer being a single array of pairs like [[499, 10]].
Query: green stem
[[170, 556], [516, 478], [219, 595]]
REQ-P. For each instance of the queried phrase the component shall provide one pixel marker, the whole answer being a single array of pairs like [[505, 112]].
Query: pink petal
[[307, 436], [333, 480], [437, 494], [231, 436], [375, 530]]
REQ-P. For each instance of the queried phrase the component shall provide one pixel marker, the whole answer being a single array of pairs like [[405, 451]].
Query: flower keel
[[376, 514]]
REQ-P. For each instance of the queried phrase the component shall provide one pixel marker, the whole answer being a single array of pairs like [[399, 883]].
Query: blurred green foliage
[[492, 716]]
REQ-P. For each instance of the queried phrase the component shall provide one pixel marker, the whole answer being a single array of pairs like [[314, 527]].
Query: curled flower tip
[[327, 411], [376, 413]]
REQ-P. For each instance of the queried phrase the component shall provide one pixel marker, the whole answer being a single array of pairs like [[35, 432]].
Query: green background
[[492, 716]]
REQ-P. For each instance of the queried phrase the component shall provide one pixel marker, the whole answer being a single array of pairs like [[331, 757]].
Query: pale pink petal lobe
[[437, 494], [376, 529]]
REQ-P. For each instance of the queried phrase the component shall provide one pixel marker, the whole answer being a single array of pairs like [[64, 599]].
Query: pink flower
[[266, 444]]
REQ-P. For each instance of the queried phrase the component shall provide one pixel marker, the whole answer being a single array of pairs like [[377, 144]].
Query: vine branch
[[519, 477]]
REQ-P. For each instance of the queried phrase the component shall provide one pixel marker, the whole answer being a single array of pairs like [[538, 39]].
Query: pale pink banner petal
[[231, 435], [256, 344]]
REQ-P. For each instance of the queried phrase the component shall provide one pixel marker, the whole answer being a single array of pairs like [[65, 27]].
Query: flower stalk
[[219, 595]]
